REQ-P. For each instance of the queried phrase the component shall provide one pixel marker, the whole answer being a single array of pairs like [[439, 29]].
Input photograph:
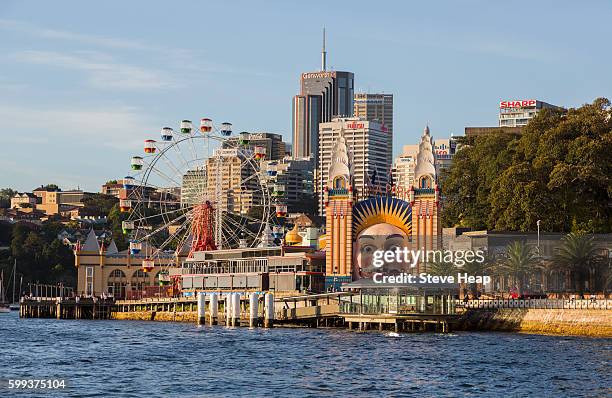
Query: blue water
[[136, 359]]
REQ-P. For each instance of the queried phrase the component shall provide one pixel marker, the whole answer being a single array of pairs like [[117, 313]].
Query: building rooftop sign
[[318, 75], [517, 104]]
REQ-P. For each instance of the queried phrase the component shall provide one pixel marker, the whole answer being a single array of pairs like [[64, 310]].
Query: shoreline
[[549, 322]]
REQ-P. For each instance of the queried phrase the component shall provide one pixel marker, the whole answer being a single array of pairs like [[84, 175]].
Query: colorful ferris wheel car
[[260, 152], [163, 278], [186, 127], [137, 163], [278, 190], [281, 211], [127, 227], [277, 232], [206, 125], [148, 265], [226, 129], [166, 134], [125, 205], [135, 247], [129, 182], [243, 138], [149, 146], [271, 169]]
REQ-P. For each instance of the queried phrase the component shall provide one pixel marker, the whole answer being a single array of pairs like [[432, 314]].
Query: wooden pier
[[66, 308], [316, 310]]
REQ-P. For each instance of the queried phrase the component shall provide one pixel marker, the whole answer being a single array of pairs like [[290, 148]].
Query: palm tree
[[521, 261], [442, 268], [578, 257]]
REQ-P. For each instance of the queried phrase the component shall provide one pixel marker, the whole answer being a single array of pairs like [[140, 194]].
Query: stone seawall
[[571, 322], [162, 316]]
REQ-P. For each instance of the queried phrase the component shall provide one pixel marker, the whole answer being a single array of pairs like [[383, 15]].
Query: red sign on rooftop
[[517, 104]]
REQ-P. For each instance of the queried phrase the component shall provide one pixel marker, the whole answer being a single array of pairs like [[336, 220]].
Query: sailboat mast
[[14, 278]]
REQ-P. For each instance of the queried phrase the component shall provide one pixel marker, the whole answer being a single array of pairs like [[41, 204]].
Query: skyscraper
[[323, 95], [376, 108]]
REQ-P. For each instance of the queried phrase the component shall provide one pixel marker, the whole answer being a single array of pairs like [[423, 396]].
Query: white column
[[236, 310], [228, 309], [253, 310], [269, 310], [201, 308], [213, 308]]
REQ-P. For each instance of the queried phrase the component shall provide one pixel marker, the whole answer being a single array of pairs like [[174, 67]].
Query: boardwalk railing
[[567, 304], [400, 309]]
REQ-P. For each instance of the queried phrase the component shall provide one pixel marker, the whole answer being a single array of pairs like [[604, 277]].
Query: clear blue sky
[[83, 83]]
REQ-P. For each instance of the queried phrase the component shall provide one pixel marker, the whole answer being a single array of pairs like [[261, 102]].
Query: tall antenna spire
[[323, 54]]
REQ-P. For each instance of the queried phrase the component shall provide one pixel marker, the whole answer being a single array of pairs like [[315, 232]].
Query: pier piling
[[213, 308], [227, 304], [269, 310], [201, 308], [253, 310], [236, 310]]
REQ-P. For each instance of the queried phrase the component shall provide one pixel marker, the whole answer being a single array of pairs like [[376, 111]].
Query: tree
[[557, 171], [41, 256], [99, 204], [468, 184], [115, 219], [5, 197], [442, 268], [578, 258], [520, 263]]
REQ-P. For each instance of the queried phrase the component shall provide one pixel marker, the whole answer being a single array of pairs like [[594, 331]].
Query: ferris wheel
[[200, 189]]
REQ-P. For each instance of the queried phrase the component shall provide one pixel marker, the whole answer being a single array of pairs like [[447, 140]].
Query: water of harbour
[[136, 359]]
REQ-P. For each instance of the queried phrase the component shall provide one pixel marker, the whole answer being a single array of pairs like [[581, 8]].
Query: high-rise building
[[403, 171], [368, 144], [376, 107], [230, 181], [274, 144], [323, 95], [297, 177], [517, 113], [444, 150], [193, 186]]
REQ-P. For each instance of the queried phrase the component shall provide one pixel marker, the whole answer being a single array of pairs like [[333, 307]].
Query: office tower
[[193, 186], [230, 181], [297, 177], [323, 95], [376, 107]]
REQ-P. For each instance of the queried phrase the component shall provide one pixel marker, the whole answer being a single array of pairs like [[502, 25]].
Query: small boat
[[4, 308], [14, 307]]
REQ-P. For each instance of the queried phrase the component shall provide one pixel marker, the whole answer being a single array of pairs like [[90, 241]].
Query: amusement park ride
[[233, 200]]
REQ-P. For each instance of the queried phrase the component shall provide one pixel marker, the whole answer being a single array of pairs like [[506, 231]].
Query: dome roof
[[293, 237]]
